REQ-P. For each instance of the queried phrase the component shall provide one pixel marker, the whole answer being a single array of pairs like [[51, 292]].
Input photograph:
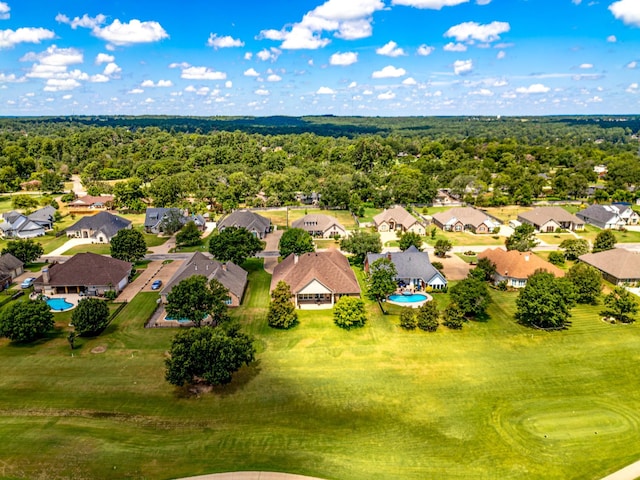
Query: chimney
[[224, 267], [295, 258], [389, 256], [45, 276], [526, 257]]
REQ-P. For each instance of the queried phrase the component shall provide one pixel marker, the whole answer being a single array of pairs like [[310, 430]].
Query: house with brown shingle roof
[[84, 273], [618, 265], [317, 279], [516, 267], [461, 219], [320, 225], [397, 218], [233, 277], [548, 219], [10, 268]]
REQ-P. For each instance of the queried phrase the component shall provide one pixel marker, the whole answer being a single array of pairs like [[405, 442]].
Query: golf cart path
[[630, 472], [251, 476]]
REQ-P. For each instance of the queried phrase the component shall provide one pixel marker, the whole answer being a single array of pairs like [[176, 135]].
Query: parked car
[[156, 284], [27, 282]]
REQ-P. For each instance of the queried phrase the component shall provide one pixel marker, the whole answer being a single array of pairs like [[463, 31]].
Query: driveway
[[270, 252], [156, 270], [454, 267], [73, 242]]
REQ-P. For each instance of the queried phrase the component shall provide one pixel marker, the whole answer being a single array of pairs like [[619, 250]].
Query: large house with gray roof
[[10, 268], [614, 217], [257, 224], [16, 225], [233, 277], [100, 228], [413, 268], [44, 217]]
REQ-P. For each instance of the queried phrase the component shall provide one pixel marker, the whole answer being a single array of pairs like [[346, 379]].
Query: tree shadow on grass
[[54, 334], [240, 379]]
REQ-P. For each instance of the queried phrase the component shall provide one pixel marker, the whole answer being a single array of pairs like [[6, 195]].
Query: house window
[[228, 301]]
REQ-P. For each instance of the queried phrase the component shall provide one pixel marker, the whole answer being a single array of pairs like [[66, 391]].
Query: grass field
[[494, 400], [463, 238]]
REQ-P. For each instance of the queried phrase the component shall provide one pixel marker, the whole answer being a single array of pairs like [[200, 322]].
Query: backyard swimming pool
[[58, 304], [413, 300]]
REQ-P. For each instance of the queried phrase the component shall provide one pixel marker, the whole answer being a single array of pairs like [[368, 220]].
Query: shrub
[[408, 318]]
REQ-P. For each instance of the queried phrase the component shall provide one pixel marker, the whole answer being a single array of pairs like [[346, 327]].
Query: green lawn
[[590, 232], [463, 238], [494, 400], [99, 248]]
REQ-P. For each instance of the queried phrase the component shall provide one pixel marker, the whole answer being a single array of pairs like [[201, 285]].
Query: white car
[[27, 282]]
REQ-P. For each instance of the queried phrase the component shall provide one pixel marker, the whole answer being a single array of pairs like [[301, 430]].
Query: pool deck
[[72, 298], [417, 304]]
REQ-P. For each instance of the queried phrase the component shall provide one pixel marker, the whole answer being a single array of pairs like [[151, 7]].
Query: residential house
[[16, 225], [10, 268], [90, 204], [43, 217], [614, 216], [397, 218], [155, 219], [317, 279], [101, 228], [514, 267], [413, 268], [549, 219], [319, 225], [84, 273], [618, 266], [233, 277], [461, 219], [257, 224], [445, 198]]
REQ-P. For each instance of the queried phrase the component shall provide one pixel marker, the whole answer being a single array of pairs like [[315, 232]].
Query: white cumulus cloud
[[10, 38], [387, 96], [470, 31], [325, 91], [136, 91], [612, 39], [626, 10], [11, 78], [274, 78], [262, 91], [343, 59], [390, 49], [118, 33], [632, 65], [4, 11], [202, 73], [461, 67], [160, 83], [483, 92], [56, 84], [112, 69], [104, 58], [409, 81], [389, 72], [223, 42], [425, 50], [251, 73], [533, 88], [586, 66], [55, 56], [455, 47], [269, 54]]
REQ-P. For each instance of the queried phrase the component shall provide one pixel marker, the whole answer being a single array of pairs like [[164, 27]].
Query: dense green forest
[[221, 163]]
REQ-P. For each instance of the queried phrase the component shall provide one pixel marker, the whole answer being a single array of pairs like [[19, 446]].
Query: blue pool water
[[413, 298], [179, 320], [58, 304]]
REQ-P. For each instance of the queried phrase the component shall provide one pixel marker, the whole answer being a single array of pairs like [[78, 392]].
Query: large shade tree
[[471, 295], [26, 321], [90, 316], [381, 281], [195, 298], [295, 240], [522, 239], [545, 302], [234, 245], [26, 250], [128, 245], [208, 355], [359, 243], [282, 312]]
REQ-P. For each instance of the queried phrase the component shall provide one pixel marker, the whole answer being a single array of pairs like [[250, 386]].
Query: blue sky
[[303, 57]]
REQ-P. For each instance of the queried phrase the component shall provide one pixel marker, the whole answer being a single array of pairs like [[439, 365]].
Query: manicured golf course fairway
[[492, 401]]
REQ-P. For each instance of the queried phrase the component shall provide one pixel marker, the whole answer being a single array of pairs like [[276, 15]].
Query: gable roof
[[8, 262], [330, 268], [317, 222], [44, 214], [617, 262], [515, 264], [396, 213], [17, 222], [89, 200], [466, 215], [600, 213], [542, 215], [154, 215], [245, 219], [104, 222], [87, 269], [412, 263], [233, 277]]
